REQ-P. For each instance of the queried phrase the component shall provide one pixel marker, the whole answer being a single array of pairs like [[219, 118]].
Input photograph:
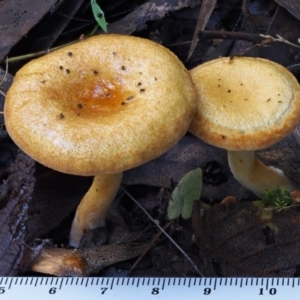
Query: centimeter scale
[[37, 288]]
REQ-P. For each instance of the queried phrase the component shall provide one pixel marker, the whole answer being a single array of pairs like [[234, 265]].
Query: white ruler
[[89, 288]]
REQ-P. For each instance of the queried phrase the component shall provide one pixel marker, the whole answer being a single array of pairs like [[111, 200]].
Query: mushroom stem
[[253, 174], [92, 209]]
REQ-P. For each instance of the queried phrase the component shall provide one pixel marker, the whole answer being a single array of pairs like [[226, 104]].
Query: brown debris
[[83, 262], [60, 262], [243, 240]]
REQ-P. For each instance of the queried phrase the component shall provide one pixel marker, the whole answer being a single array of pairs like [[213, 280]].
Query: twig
[[228, 35], [150, 245], [258, 39], [164, 232], [37, 54], [2, 93], [6, 72]]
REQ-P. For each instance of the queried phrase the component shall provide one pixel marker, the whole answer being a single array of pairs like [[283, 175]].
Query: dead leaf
[[151, 10], [293, 6], [206, 10], [244, 240], [83, 262], [17, 18], [53, 26], [15, 201]]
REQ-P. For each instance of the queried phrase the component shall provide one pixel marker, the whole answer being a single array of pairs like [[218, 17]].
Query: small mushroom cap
[[244, 103], [103, 105]]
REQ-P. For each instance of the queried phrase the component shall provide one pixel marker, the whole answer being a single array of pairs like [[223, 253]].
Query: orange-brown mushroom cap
[[103, 105], [245, 103]]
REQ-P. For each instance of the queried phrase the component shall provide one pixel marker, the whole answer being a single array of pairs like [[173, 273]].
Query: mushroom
[[97, 108], [246, 104]]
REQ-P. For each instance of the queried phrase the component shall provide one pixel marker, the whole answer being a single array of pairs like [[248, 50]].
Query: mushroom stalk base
[[92, 210], [254, 175]]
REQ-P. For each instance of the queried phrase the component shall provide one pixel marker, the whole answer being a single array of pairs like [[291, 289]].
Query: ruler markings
[[215, 284], [214, 288], [61, 282], [10, 284], [112, 284]]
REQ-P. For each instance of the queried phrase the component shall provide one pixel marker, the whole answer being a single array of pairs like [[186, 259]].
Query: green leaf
[[186, 192], [99, 15]]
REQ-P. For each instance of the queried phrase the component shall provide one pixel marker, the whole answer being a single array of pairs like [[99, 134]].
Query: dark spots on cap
[[219, 79], [70, 53], [245, 99], [279, 101], [123, 68], [61, 67], [108, 95], [155, 78], [269, 100], [241, 84], [140, 73], [123, 103], [96, 72], [223, 137], [61, 116], [229, 91], [142, 90], [114, 53], [79, 105], [43, 81], [139, 84], [129, 98], [278, 94], [219, 85], [68, 71]]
